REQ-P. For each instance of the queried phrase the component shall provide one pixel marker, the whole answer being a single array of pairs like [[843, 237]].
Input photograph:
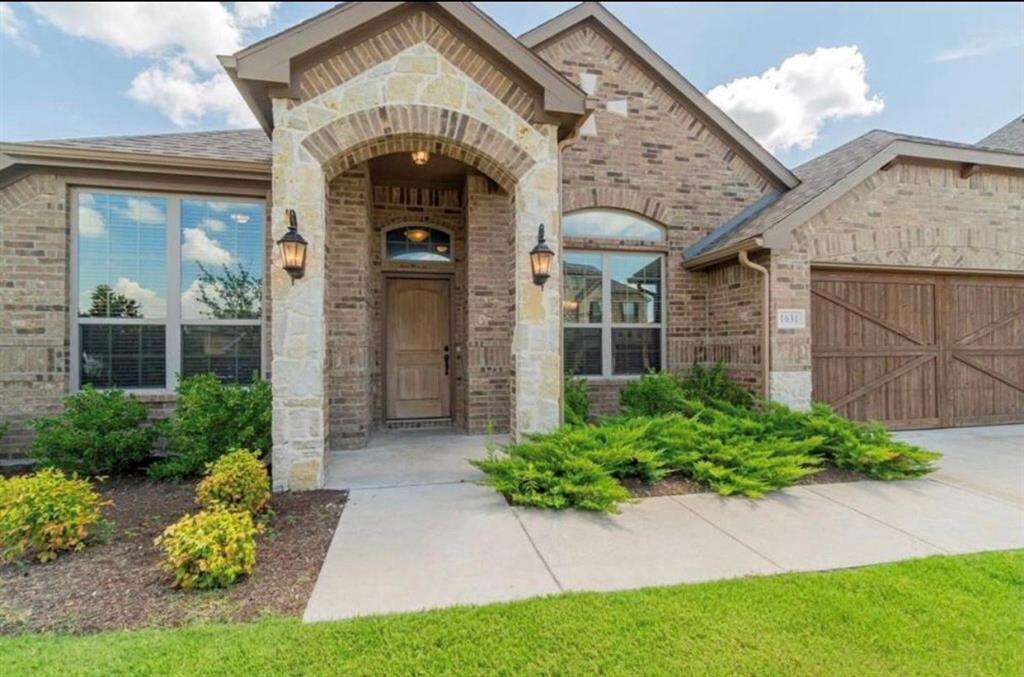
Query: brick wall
[[647, 152], [491, 309], [347, 309], [393, 205], [734, 321], [33, 304]]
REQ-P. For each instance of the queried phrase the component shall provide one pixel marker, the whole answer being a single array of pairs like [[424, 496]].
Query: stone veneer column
[[298, 340], [537, 339], [790, 373]]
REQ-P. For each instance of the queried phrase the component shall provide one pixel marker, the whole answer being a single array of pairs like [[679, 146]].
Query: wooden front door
[[916, 350], [418, 341]]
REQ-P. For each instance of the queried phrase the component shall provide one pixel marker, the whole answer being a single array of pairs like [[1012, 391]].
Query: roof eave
[[17, 155], [264, 69]]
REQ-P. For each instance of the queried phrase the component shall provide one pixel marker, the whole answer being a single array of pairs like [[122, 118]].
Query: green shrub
[[99, 432], [577, 401], [210, 549], [46, 512], [211, 419], [712, 385], [652, 394], [867, 448], [235, 481]]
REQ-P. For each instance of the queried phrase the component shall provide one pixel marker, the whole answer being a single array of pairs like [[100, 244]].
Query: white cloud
[[979, 47], [90, 222], [153, 305], [213, 225], [185, 96], [191, 307], [254, 13], [184, 38], [786, 106], [201, 248], [12, 29], [143, 211]]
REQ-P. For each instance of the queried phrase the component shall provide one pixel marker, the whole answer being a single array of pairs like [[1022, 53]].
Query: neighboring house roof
[[1008, 137], [264, 69], [708, 112], [828, 177]]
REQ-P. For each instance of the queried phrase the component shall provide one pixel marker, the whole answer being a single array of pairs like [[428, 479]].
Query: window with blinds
[[165, 285]]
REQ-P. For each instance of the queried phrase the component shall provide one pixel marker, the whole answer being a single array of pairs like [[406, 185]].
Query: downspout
[[766, 341]]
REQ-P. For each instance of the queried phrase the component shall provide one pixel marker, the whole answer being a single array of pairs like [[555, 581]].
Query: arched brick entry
[[313, 167], [353, 139]]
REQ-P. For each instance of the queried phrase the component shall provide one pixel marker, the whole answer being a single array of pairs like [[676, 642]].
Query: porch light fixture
[[420, 157], [293, 248], [540, 259], [417, 235]]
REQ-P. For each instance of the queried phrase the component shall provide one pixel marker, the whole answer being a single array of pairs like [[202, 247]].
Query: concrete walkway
[[417, 533]]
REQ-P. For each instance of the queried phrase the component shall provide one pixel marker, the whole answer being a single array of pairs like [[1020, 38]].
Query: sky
[[802, 78]]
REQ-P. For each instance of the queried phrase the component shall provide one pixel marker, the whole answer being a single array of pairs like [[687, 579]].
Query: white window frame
[[173, 321], [606, 325]]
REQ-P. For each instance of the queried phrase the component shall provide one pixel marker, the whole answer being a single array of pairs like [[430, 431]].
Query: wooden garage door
[[919, 351]]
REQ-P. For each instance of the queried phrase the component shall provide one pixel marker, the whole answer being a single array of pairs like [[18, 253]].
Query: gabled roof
[[709, 113], [264, 69], [1008, 137], [828, 177], [243, 145]]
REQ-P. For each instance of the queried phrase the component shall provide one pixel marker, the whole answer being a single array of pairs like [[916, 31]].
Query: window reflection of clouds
[[122, 245], [610, 223]]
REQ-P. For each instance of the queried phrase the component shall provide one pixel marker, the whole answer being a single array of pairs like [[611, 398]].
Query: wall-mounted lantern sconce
[[293, 248], [540, 259]]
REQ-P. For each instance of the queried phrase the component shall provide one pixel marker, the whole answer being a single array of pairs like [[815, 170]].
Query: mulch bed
[[118, 584], [675, 485]]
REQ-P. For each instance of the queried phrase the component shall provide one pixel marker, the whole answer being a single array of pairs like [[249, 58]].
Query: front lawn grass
[[936, 616]]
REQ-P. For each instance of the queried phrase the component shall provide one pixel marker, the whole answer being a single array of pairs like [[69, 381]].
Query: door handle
[[446, 358]]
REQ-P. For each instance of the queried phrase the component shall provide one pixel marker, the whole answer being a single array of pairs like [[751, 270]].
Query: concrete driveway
[[418, 533]]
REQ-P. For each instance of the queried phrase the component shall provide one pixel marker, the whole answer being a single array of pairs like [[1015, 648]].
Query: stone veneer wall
[[437, 96], [914, 214]]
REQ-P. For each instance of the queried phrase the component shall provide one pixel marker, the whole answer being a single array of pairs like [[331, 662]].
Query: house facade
[[420, 148]]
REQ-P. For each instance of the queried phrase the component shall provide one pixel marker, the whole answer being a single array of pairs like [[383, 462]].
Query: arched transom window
[[610, 224], [417, 242]]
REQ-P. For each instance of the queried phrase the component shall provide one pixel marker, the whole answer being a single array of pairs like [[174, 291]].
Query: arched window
[[610, 224], [612, 300], [417, 242]]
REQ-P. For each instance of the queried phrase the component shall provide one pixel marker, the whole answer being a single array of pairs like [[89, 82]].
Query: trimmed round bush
[[211, 549], [100, 432], [45, 513], [236, 481]]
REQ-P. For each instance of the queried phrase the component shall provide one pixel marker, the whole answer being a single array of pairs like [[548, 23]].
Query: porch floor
[[418, 533]]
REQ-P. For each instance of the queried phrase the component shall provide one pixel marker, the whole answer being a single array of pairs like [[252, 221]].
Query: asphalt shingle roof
[[243, 145], [818, 175], [1008, 137]]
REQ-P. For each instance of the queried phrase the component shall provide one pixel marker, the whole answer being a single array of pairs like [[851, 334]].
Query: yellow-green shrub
[[210, 549], [236, 481], [46, 512]]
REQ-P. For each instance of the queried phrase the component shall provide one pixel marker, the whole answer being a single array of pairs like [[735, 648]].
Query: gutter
[[766, 343], [719, 255]]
